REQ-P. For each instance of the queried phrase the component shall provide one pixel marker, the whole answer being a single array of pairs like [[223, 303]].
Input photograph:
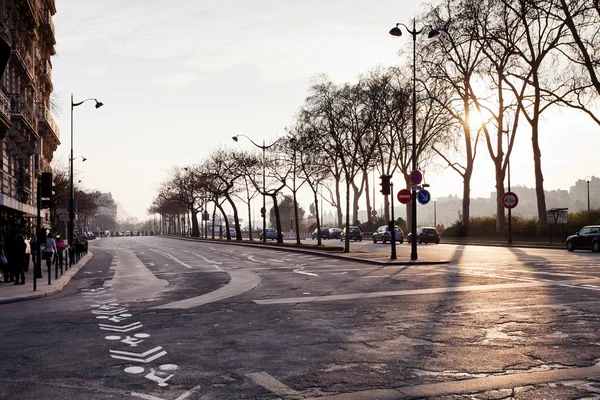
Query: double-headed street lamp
[[432, 33], [264, 207], [72, 191]]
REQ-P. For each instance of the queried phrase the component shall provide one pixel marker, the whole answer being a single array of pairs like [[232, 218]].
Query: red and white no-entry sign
[[404, 196], [510, 200]]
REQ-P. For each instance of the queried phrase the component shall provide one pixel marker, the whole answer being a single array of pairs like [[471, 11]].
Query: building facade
[[28, 134]]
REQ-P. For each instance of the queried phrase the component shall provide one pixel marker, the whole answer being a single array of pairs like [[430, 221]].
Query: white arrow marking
[[150, 397], [140, 356], [117, 328]]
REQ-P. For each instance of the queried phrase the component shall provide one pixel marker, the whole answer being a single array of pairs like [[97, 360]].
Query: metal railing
[[5, 105], [21, 53], [19, 106], [45, 116]]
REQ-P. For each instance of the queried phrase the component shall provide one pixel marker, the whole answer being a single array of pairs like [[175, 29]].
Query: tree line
[[506, 61]]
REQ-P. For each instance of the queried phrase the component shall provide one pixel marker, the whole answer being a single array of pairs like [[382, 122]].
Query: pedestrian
[[9, 253], [60, 247], [19, 257], [49, 251], [3, 261], [27, 257], [35, 248]]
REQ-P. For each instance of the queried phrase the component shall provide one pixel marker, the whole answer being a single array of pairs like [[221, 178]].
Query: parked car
[[587, 238], [335, 233], [271, 234], [324, 234], [354, 233], [232, 233], [425, 235], [383, 234], [127, 233]]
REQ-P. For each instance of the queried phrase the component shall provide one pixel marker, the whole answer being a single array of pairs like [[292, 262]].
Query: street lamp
[[72, 191], [588, 179], [431, 34], [264, 207]]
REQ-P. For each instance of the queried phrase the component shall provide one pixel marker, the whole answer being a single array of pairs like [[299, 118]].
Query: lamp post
[[264, 206], [72, 189], [432, 33], [588, 179]]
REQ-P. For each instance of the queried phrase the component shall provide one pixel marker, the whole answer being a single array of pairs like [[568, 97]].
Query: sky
[[178, 79]]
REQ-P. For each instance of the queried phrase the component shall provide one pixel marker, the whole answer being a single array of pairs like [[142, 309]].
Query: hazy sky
[[179, 78]]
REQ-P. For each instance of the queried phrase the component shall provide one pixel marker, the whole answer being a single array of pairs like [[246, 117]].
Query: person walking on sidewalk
[[27, 257], [19, 258], [4, 261], [49, 251]]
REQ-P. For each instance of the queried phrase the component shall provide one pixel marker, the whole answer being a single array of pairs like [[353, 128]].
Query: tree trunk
[[338, 202], [317, 215], [369, 208], [195, 227], [409, 215], [296, 218], [347, 241], [466, 202], [249, 219], [500, 216], [539, 176], [236, 219], [213, 219], [226, 222], [277, 218]]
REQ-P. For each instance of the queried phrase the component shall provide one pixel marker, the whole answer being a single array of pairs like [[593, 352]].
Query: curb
[[38, 295], [323, 253], [496, 244]]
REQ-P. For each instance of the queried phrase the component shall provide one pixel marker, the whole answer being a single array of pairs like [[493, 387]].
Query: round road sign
[[416, 177], [510, 200], [404, 196], [423, 196], [373, 212], [374, 218]]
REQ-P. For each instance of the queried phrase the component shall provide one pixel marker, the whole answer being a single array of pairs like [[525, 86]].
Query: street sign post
[[423, 197], [510, 200], [416, 177], [373, 212], [374, 219], [557, 216], [404, 196]]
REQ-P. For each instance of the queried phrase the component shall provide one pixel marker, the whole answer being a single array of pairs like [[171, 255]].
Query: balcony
[[46, 76], [23, 110], [29, 12], [20, 53], [5, 111], [47, 124], [48, 26]]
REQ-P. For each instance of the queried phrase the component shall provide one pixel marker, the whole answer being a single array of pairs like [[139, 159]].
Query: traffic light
[[385, 184], [263, 212], [46, 184]]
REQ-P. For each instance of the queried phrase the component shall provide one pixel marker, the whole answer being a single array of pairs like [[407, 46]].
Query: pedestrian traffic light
[[385, 184]]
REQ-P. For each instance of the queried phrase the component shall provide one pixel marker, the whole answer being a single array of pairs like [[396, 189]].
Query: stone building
[[28, 134]]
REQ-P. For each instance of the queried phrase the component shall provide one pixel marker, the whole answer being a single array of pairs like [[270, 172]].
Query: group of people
[[17, 252]]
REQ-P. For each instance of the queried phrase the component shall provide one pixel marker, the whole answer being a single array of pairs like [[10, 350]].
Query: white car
[[127, 233]]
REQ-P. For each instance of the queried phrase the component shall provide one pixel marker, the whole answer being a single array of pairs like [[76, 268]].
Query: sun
[[476, 120]]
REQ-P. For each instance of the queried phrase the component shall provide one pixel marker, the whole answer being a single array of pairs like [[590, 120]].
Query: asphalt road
[[157, 318]]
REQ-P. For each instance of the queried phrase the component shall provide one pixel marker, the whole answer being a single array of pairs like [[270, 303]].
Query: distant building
[[28, 134]]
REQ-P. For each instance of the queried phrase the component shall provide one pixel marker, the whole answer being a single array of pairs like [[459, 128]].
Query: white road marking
[[251, 258], [172, 258], [299, 271], [207, 260], [273, 385], [415, 292], [150, 397]]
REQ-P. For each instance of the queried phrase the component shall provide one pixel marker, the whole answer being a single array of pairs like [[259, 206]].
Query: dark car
[[271, 234], [383, 234], [354, 233], [335, 233], [587, 238], [324, 234], [425, 235]]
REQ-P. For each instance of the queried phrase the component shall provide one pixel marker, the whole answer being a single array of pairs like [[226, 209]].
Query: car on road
[[335, 233], [232, 233], [271, 234], [587, 238], [383, 234], [324, 234], [127, 233], [354, 233], [425, 234]]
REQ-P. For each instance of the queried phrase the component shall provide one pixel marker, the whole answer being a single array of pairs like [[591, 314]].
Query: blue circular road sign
[[423, 196], [416, 177]]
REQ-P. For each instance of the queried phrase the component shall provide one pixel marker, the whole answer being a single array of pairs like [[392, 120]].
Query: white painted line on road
[[251, 258], [172, 258], [299, 271], [207, 260], [416, 292], [150, 397], [273, 385]]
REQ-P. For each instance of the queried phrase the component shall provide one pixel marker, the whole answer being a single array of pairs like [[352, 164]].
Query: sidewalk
[[10, 293]]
